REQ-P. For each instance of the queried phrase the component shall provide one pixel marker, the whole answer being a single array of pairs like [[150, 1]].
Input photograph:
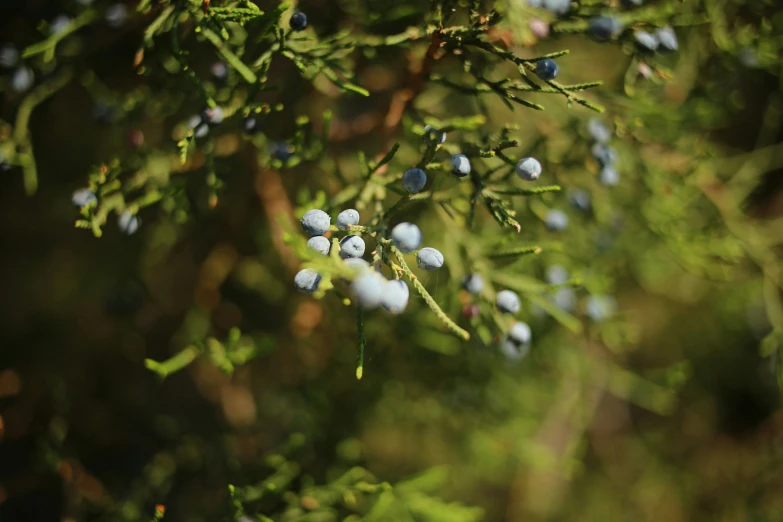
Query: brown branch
[[401, 99], [276, 204]]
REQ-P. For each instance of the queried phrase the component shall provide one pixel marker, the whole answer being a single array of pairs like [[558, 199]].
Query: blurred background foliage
[[667, 410]]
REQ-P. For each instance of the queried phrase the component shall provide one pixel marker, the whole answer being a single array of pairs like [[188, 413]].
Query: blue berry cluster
[[22, 76], [604, 154], [556, 7], [127, 222], [516, 343], [604, 28], [663, 40], [369, 288]]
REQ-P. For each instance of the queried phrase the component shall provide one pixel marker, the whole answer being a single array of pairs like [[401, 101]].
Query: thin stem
[[516, 251], [362, 342], [526, 192], [21, 134], [173, 364]]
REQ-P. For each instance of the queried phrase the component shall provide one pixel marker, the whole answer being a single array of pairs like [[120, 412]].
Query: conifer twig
[[451, 325]]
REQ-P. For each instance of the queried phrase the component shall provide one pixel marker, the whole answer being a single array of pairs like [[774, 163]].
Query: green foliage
[[342, 110]]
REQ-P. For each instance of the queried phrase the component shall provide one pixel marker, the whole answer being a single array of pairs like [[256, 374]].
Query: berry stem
[[362, 342]]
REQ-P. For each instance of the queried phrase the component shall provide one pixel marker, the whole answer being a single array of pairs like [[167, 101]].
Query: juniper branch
[[229, 55], [451, 325], [524, 192], [516, 251]]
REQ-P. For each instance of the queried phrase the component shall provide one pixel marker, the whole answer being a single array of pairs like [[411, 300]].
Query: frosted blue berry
[[516, 344], [520, 333], [351, 246], [556, 275], [600, 307], [307, 280], [212, 115], [667, 40], [9, 56], [546, 69], [219, 70], [473, 283], [512, 351], [281, 150], [201, 130], [434, 135], [460, 165], [604, 154], [116, 15], [598, 131], [368, 289], [556, 220], [632, 3], [22, 79], [529, 169], [357, 264], [406, 237], [645, 42], [252, 125], [346, 218], [59, 24], [316, 222], [565, 299], [298, 21], [557, 7], [414, 180], [83, 197], [580, 199], [507, 302], [604, 28], [609, 176], [395, 296], [320, 244], [429, 259], [128, 223]]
